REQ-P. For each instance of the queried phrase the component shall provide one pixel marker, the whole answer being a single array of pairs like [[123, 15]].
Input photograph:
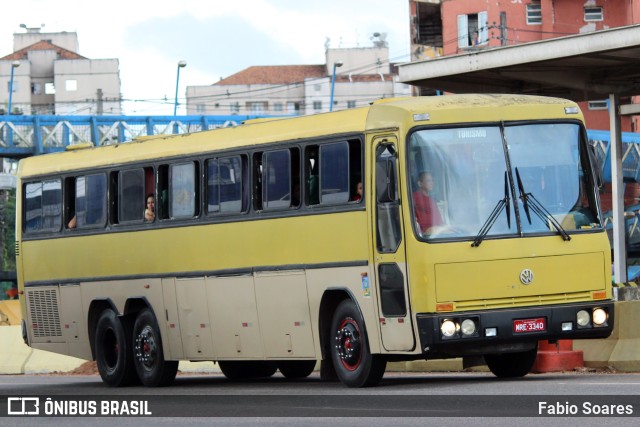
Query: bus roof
[[402, 113]]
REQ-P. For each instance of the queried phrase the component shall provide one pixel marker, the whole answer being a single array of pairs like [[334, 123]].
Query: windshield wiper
[[529, 202], [502, 204]]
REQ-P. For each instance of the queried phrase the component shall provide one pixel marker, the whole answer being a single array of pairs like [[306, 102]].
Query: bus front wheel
[[352, 359], [113, 350], [511, 365], [148, 356]]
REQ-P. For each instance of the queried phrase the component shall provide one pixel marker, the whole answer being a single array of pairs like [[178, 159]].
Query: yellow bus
[[418, 228]]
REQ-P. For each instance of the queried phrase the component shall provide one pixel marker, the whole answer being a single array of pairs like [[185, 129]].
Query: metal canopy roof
[[579, 67]]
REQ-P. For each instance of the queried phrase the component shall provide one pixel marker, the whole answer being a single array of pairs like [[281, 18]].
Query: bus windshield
[[461, 185]]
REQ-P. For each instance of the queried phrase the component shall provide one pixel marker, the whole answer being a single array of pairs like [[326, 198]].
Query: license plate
[[530, 325]]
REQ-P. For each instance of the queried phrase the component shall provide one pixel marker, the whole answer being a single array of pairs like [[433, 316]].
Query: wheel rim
[[146, 350], [349, 344], [111, 349]]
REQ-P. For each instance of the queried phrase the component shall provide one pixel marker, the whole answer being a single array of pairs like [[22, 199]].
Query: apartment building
[[51, 77], [450, 27], [361, 75]]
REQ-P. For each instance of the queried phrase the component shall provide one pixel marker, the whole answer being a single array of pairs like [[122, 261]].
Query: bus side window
[[70, 203], [257, 181], [162, 204], [355, 170], [311, 167]]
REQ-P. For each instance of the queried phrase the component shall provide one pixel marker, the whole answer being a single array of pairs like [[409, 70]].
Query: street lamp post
[[181, 64], [14, 65], [333, 82]]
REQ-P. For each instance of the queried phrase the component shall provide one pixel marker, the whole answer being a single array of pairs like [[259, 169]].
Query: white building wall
[[238, 99], [369, 60], [77, 82], [65, 39]]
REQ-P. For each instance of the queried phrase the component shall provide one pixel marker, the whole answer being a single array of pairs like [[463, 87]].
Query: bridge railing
[[22, 136]]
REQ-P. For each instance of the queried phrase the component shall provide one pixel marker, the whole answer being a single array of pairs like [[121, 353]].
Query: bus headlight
[[583, 318], [448, 328], [599, 317], [468, 327]]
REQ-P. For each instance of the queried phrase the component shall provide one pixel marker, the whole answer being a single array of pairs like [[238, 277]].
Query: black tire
[[244, 370], [352, 359], [112, 345], [148, 356], [296, 368], [511, 365]]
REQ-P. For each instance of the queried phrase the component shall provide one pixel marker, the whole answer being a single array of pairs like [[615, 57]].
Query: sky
[[217, 38]]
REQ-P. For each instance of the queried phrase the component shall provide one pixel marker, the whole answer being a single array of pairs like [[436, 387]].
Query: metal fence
[[22, 136]]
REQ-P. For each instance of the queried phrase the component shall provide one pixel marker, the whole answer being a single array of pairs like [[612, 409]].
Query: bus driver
[[426, 210]]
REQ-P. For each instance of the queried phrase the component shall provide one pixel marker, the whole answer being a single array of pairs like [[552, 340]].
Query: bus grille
[[45, 316]]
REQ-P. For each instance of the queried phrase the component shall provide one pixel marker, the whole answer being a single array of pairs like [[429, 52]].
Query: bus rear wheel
[[148, 356], [350, 354], [296, 368], [511, 365], [113, 351], [244, 370]]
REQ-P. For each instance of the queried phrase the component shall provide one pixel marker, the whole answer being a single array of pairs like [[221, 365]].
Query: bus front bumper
[[513, 329]]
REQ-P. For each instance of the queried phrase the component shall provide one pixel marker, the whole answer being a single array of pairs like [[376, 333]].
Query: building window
[[71, 85], [534, 13], [473, 30], [235, 107], [49, 89], [277, 106], [593, 13], [317, 87], [293, 107], [598, 105], [200, 108], [36, 88], [257, 107], [317, 105], [15, 86], [351, 104]]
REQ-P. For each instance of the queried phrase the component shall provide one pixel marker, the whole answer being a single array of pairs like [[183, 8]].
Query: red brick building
[[450, 27]]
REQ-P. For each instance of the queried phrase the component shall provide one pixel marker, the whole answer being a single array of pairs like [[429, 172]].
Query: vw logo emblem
[[526, 276]]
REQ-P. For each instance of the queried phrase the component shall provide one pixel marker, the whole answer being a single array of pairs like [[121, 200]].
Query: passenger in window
[[73, 223], [150, 210], [426, 210], [358, 196]]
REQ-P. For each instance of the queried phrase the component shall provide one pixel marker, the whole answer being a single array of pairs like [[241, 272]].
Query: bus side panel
[[173, 338], [193, 313], [74, 327], [234, 317], [286, 332]]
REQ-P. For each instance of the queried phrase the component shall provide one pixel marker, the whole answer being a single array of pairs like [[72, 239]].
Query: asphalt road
[[443, 399]]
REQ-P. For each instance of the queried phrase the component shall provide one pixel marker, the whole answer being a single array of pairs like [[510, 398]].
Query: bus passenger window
[[182, 190], [131, 195], [91, 201], [311, 166], [43, 206], [276, 179], [334, 173], [224, 185]]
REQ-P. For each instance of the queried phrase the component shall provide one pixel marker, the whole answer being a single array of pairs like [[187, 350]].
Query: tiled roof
[[42, 45], [275, 74]]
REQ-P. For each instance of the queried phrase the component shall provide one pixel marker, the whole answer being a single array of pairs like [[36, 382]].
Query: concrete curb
[[622, 349]]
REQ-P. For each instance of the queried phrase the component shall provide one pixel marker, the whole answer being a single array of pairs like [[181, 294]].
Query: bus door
[[389, 251]]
